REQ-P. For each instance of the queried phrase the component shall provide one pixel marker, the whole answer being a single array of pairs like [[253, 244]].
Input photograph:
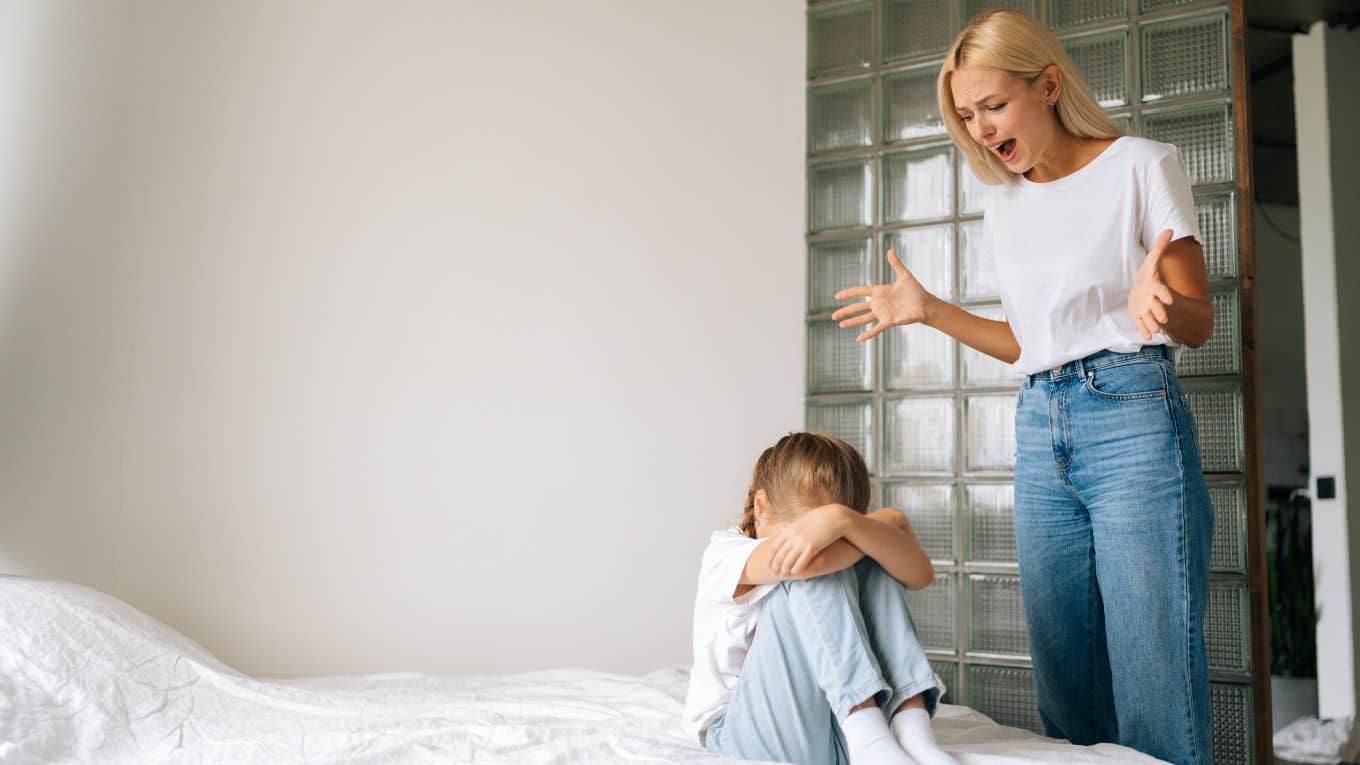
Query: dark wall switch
[[1326, 487]]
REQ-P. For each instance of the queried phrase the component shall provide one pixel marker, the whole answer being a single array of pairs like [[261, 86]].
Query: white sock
[[911, 728], [870, 741]]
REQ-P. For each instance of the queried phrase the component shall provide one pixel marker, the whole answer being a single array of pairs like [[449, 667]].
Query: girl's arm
[[905, 301], [840, 554], [887, 538]]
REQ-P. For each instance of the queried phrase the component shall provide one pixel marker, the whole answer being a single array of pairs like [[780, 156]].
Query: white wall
[[353, 338], [1325, 81]]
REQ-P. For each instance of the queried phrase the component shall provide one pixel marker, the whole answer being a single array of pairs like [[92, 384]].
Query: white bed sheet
[[85, 677]]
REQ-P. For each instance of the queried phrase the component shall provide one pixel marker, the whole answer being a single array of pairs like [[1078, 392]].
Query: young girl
[[803, 645]]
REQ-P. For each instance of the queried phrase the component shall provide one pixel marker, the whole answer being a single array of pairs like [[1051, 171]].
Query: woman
[[1096, 248]]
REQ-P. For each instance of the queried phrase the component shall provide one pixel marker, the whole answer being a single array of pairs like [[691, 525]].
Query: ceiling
[[1270, 25]]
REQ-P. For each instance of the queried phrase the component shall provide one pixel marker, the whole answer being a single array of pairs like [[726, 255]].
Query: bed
[[85, 677]]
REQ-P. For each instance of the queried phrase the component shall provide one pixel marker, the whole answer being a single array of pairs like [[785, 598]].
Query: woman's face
[[1008, 116]]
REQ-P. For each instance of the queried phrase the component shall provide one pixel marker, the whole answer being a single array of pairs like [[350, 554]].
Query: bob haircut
[[1021, 46]]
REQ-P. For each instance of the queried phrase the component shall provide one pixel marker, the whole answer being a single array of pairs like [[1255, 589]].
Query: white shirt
[[1066, 252], [723, 628]]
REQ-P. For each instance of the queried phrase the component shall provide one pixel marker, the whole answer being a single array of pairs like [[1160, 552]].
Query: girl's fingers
[[1162, 292], [802, 561], [879, 327], [851, 292], [1142, 330], [858, 321], [853, 308], [1151, 323]]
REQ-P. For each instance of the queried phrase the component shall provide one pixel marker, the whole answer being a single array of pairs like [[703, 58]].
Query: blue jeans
[[822, 646], [1113, 529]]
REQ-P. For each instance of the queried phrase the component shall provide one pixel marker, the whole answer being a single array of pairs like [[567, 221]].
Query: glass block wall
[[933, 418]]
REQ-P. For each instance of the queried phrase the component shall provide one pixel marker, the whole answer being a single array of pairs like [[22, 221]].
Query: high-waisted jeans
[[823, 646], [1113, 529]]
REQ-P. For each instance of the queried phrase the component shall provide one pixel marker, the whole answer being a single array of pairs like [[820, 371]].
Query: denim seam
[[1193, 741], [1091, 659]]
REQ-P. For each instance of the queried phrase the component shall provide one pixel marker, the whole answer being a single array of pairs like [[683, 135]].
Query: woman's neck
[[1066, 155]]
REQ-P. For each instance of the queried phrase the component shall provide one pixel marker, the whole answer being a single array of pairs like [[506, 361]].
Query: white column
[[1320, 207]]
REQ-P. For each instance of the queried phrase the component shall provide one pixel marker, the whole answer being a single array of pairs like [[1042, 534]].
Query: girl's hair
[[808, 469], [1020, 45]]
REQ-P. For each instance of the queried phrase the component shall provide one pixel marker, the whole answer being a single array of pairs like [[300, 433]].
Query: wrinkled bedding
[[85, 677]]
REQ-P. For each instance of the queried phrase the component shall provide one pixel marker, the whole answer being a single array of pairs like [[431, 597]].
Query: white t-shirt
[[1066, 252], [723, 628]]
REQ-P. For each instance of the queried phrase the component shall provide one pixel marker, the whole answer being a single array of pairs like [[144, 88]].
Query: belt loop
[[1081, 367]]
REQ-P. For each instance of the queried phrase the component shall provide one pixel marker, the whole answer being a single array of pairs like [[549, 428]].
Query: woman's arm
[[1171, 292], [905, 301]]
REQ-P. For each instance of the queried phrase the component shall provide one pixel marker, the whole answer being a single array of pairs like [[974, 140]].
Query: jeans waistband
[[1101, 359]]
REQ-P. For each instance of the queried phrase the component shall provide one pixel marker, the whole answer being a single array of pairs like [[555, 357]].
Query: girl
[[1098, 256], [803, 646]]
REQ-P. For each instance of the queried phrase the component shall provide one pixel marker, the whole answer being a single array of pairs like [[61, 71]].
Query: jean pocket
[[1128, 382]]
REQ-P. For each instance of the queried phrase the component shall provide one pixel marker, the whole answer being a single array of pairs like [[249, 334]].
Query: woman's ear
[[1050, 81]]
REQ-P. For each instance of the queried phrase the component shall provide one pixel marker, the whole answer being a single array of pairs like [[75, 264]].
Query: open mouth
[[1006, 150]]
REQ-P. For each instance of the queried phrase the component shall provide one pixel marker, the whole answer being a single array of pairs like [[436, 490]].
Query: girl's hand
[[799, 541], [1150, 295], [904, 301]]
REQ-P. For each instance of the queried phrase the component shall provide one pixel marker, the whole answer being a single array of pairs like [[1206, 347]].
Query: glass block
[[1233, 728], [840, 39], [1217, 216], [836, 361], [1227, 627], [989, 516], [910, 109], [1229, 550], [930, 508], [840, 195], [1222, 354], [928, 253], [1148, 6], [850, 421], [972, 8], [1217, 410], [918, 185], [917, 357], [833, 266], [914, 28], [977, 274], [948, 674], [973, 192], [1065, 14], [1005, 694], [981, 370], [918, 435], [1185, 56], [840, 116], [1125, 124], [991, 433], [1204, 136], [932, 612], [996, 615], [1103, 60]]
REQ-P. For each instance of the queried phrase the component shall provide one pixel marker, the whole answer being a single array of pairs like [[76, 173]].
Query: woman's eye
[[966, 117], [996, 108]]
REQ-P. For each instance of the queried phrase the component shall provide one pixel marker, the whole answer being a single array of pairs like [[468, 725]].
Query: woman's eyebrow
[[979, 102]]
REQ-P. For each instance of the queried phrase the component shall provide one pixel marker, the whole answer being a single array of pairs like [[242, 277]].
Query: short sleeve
[[1169, 203], [723, 563]]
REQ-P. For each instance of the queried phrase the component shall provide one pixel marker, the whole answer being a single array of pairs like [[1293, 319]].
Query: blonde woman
[[1098, 256]]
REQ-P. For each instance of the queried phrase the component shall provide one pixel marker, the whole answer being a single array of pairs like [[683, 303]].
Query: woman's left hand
[[799, 541], [1150, 296]]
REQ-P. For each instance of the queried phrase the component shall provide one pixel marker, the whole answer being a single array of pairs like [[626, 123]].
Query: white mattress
[[85, 677]]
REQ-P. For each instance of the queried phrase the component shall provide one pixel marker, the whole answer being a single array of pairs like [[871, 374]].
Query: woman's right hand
[[904, 301]]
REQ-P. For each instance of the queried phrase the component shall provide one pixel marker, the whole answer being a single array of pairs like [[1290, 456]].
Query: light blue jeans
[[822, 646], [1113, 528]]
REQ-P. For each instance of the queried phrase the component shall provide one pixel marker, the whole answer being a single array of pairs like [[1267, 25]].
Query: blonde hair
[[1023, 47], [808, 469]]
